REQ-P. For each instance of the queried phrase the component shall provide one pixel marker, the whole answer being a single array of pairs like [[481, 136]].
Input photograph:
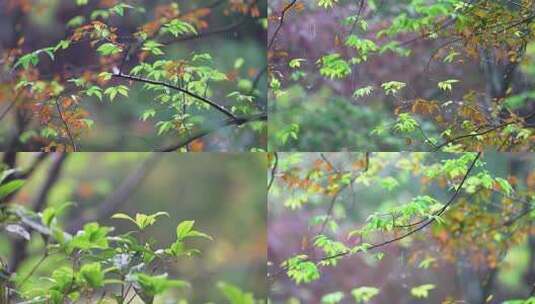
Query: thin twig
[[281, 23], [65, 124], [8, 108], [273, 171], [490, 130], [34, 268], [427, 223]]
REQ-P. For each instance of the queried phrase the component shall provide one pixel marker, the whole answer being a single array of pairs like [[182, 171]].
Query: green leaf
[[296, 63], [178, 27], [301, 270], [107, 49], [235, 295], [332, 298], [327, 3], [422, 291], [451, 56], [447, 85], [333, 66], [504, 185], [141, 220], [10, 187], [92, 274], [154, 285], [153, 47], [119, 9], [123, 216], [365, 91], [94, 91], [27, 60], [113, 91], [239, 63], [148, 114], [393, 87], [62, 45], [185, 230], [76, 21], [50, 213], [364, 294], [91, 237], [427, 262]]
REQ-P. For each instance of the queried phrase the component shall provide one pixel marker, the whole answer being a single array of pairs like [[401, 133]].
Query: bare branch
[[68, 131], [229, 122]]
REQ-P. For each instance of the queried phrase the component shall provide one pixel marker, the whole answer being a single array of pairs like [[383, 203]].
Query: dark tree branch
[[281, 23], [487, 131], [200, 134], [170, 86]]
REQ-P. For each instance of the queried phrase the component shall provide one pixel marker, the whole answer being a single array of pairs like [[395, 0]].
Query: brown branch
[[202, 133]]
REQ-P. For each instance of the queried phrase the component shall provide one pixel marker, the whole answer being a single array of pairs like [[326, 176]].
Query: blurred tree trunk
[[469, 280]]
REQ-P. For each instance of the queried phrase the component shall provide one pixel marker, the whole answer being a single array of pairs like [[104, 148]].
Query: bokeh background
[[223, 193]]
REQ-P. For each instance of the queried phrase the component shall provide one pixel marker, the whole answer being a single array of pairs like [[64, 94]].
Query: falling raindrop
[[312, 30]]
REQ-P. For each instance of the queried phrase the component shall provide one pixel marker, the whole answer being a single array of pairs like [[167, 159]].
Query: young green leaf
[[364, 294], [422, 291], [107, 49]]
